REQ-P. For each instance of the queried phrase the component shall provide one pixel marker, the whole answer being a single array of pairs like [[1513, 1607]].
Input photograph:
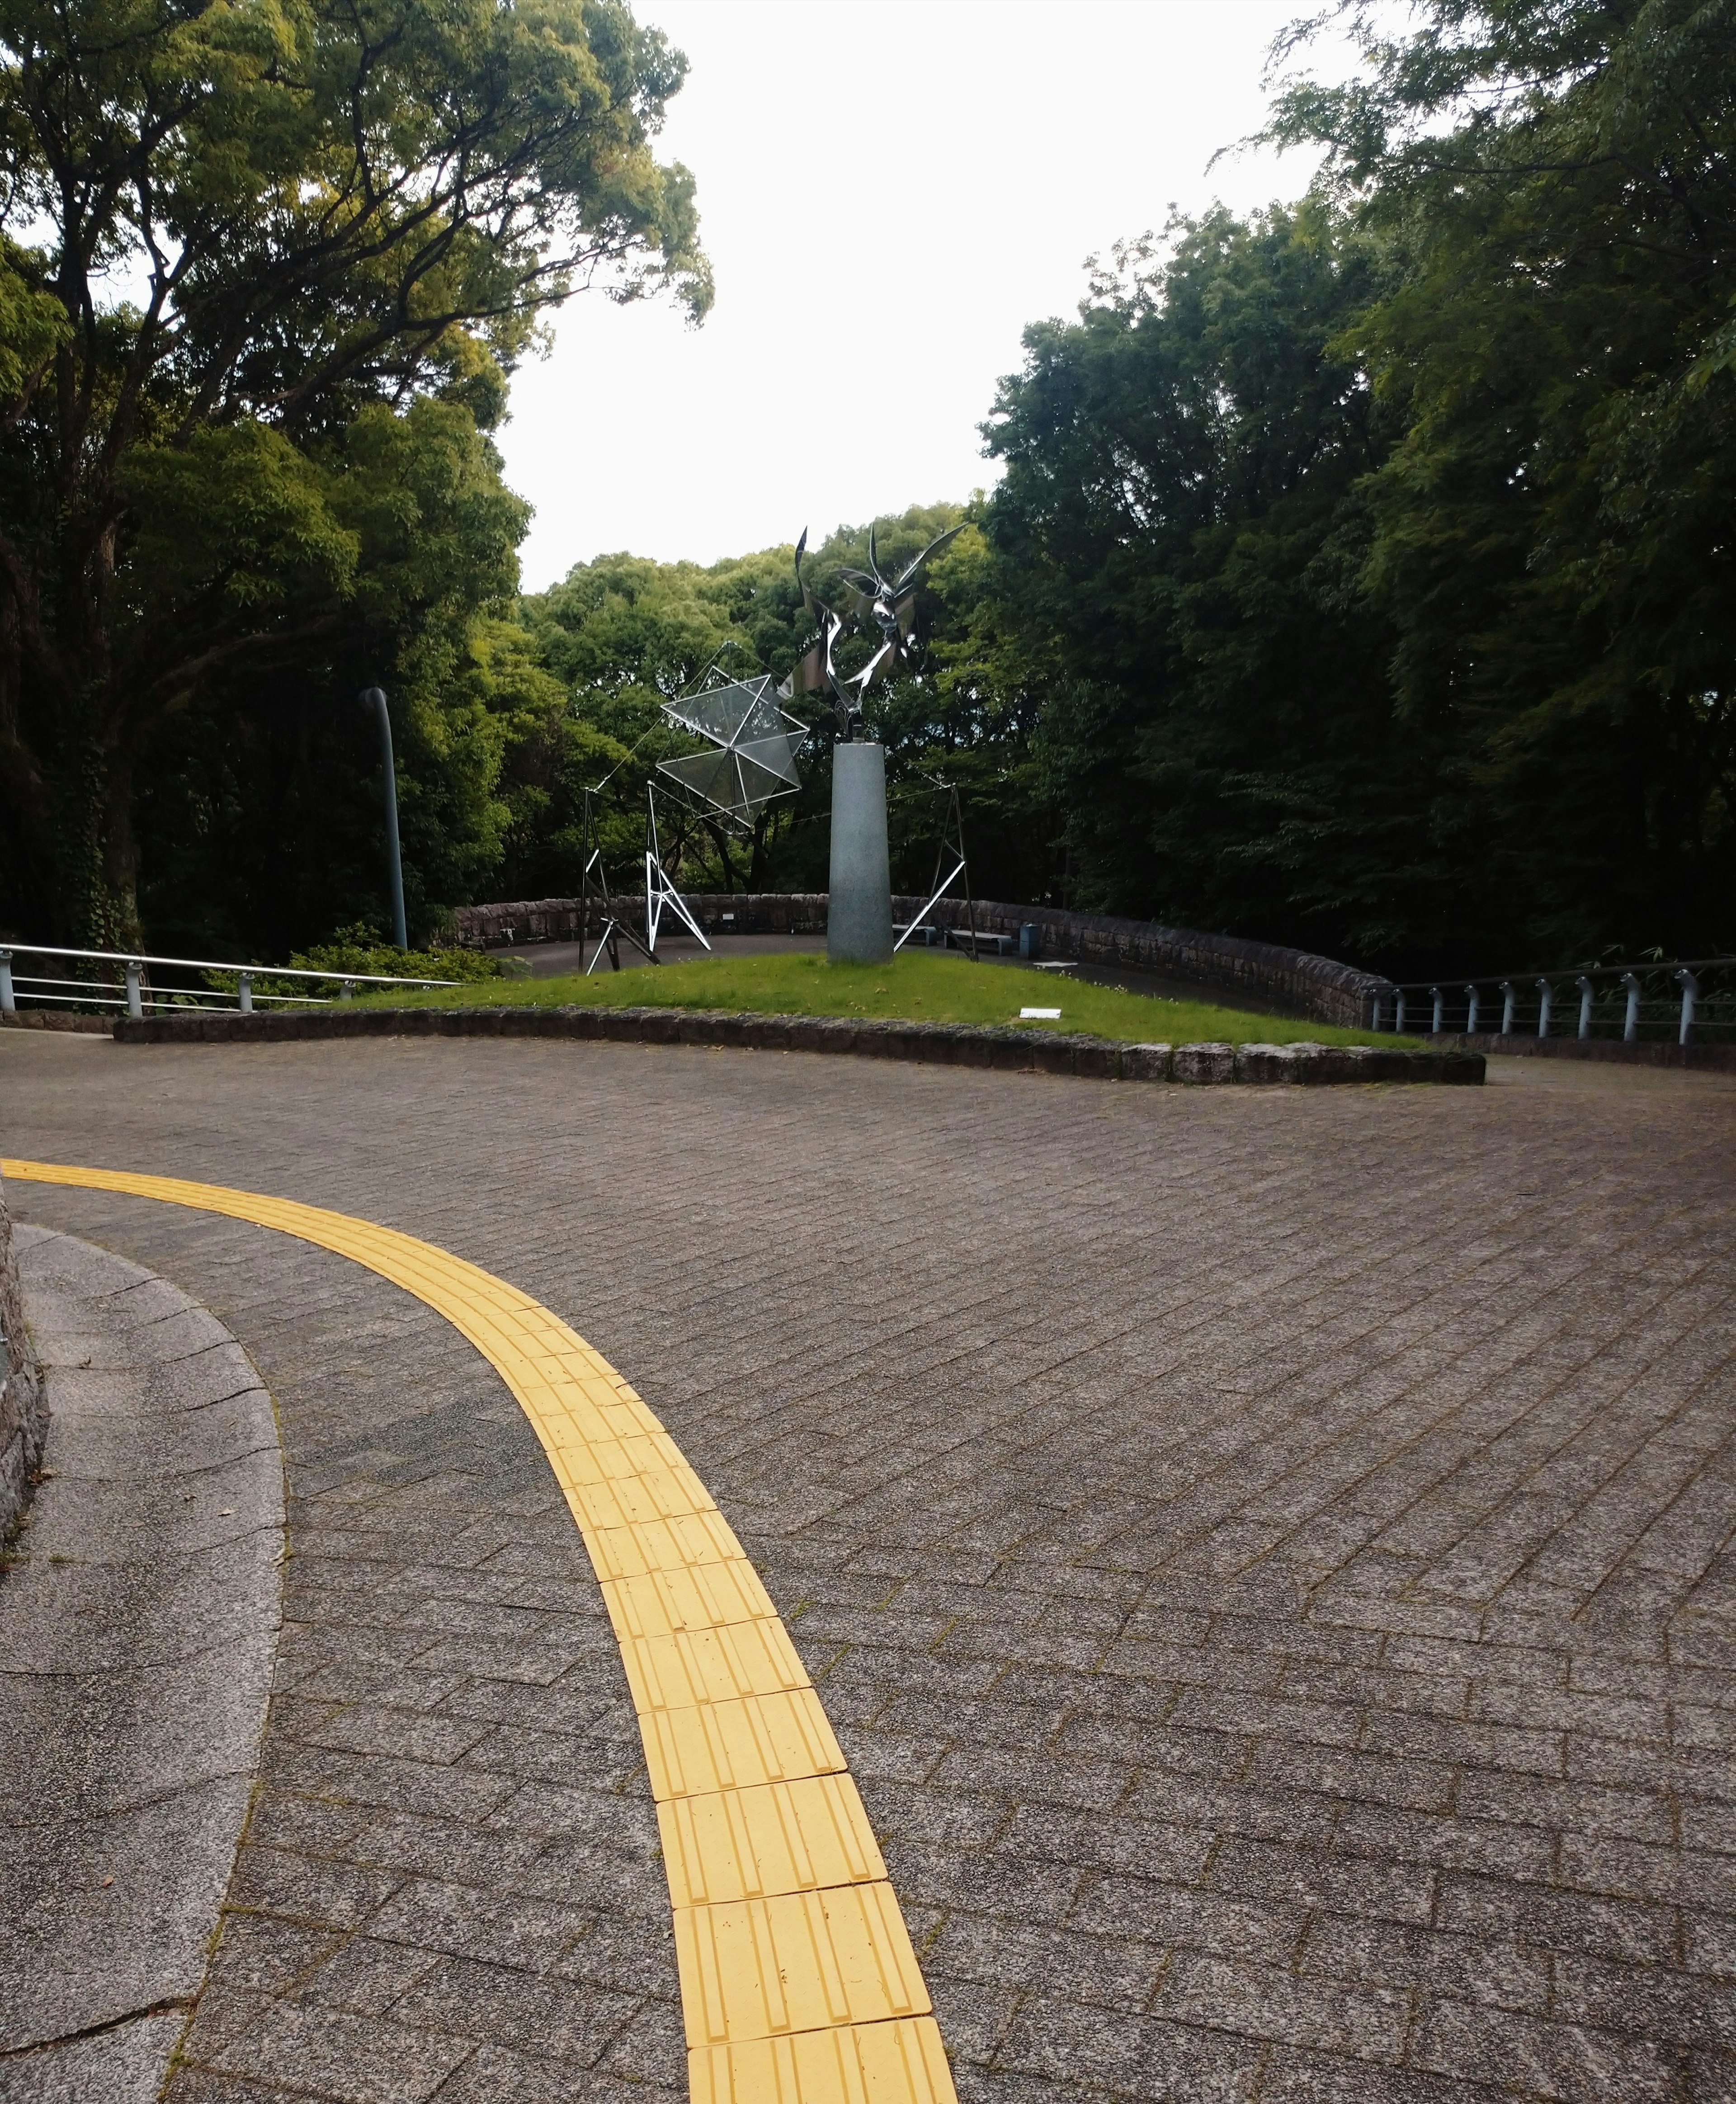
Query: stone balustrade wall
[[1262, 973]]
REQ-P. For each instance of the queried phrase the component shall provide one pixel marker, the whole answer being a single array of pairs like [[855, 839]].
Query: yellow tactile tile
[[801, 1962], [901, 2061], [783, 1837], [733, 1746], [799, 1985], [625, 1500], [686, 1666], [692, 1596], [631, 1552]]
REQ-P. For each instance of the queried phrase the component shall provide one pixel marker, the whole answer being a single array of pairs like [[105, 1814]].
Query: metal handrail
[[204, 965], [1562, 972], [1518, 996], [96, 994]]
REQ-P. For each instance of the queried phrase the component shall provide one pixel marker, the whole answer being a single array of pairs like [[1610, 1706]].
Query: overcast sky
[[890, 190]]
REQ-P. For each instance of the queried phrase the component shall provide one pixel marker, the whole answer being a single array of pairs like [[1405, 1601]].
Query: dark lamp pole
[[374, 698]]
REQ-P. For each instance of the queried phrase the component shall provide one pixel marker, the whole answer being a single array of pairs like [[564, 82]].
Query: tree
[[258, 799], [261, 238], [623, 636], [1552, 545], [1177, 543]]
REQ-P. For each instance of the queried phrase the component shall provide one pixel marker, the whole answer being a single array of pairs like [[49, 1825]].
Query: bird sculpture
[[889, 604]]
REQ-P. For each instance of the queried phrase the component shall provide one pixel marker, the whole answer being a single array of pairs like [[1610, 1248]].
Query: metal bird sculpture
[[889, 602]]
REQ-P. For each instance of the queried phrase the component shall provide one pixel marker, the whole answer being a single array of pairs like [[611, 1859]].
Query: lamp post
[[374, 698]]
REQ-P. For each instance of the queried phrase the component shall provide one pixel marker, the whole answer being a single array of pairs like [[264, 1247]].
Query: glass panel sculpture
[[754, 746]]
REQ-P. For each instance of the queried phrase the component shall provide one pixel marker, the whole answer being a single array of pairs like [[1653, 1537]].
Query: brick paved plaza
[[1266, 1553]]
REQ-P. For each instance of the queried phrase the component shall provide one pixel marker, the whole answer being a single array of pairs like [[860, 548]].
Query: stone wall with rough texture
[[24, 1411], [54, 1019], [932, 1043], [1319, 986]]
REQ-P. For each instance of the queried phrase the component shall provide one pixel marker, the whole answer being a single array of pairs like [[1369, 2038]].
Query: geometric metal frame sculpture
[[753, 746], [951, 849], [659, 892], [593, 879], [660, 896]]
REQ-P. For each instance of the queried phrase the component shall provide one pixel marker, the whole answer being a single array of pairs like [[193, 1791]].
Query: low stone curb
[[138, 1632], [39, 1018], [1603, 1051], [933, 1044]]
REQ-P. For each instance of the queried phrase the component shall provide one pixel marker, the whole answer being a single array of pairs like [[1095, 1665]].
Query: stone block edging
[[934, 1044], [1611, 1051], [46, 1018]]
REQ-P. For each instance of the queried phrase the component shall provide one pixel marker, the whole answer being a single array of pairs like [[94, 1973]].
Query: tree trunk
[[95, 849]]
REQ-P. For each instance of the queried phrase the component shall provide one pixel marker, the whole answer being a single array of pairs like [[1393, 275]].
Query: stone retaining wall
[[951, 1044], [1613, 1051], [53, 1018], [24, 1410], [1319, 986]]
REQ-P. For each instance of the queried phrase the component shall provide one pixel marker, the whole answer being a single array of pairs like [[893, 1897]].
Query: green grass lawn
[[917, 986]]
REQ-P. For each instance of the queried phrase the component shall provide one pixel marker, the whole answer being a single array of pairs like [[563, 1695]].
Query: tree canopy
[[267, 271], [1360, 574]]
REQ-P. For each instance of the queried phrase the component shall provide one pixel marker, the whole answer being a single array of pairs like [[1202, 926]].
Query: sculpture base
[[858, 917]]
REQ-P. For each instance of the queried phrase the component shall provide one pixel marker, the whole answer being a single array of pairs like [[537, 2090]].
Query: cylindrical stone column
[[858, 915]]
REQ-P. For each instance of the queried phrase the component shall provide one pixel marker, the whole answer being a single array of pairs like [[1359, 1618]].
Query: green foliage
[[1549, 539], [1362, 574], [920, 986], [1372, 558], [266, 482], [1174, 548], [363, 951], [360, 949]]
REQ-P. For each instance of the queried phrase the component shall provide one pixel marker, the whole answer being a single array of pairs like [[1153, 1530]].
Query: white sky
[[890, 190]]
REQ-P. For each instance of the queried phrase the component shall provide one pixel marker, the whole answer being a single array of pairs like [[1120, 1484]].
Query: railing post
[[1546, 1001], [1439, 1009], [8, 1005], [1690, 986], [1631, 1027], [347, 990], [244, 992], [1506, 1008], [1398, 1012], [134, 1006], [1380, 1010], [1470, 1013], [1585, 988]]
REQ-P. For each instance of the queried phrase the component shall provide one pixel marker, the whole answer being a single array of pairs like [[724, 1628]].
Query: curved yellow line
[[798, 1980]]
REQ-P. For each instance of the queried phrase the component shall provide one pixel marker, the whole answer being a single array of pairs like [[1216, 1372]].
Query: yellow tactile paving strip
[[799, 1985]]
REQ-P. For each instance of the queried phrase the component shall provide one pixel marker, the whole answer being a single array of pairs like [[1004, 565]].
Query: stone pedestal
[[858, 915]]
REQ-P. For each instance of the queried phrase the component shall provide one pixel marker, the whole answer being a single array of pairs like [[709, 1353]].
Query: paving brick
[[1117, 1972], [1134, 2057], [1257, 2002], [332, 2054], [1509, 1973], [1545, 2058], [1556, 1920], [1104, 1842], [1226, 1524], [568, 2020], [1648, 2001], [1314, 1878]]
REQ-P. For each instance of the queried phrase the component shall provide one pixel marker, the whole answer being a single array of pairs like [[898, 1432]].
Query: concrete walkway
[[1267, 1554], [137, 1630]]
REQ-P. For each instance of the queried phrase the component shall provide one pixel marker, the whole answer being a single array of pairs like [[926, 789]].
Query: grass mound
[[916, 986]]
